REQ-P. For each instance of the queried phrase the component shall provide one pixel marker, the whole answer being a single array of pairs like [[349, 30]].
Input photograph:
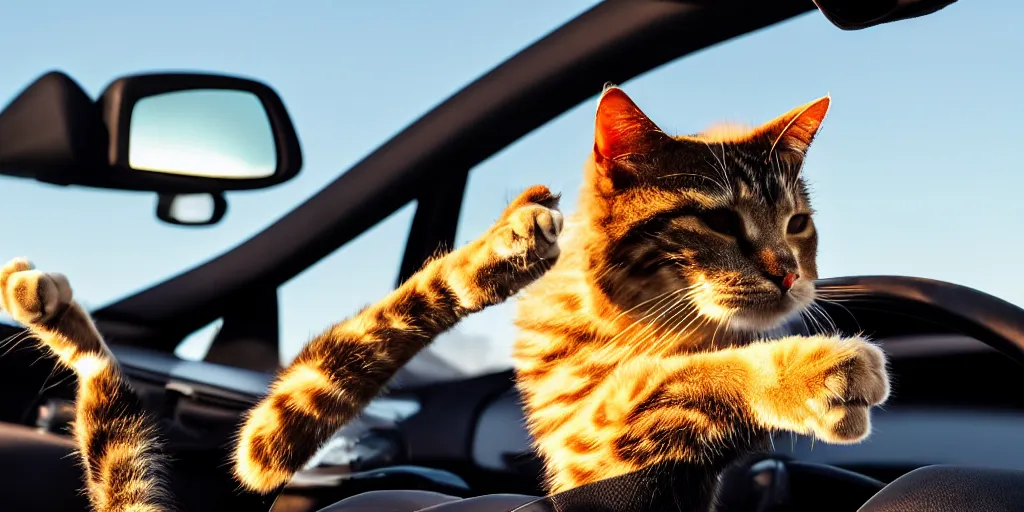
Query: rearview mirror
[[170, 133], [206, 133], [190, 133]]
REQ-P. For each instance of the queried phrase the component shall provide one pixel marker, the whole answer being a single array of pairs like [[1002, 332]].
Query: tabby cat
[[645, 342], [332, 378]]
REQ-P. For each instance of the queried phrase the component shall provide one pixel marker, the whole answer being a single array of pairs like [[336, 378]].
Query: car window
[[915, 172], [336, 287]]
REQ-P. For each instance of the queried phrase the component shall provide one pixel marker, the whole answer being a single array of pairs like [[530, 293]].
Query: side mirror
[[191, 209], [861, 14], [169, 133]]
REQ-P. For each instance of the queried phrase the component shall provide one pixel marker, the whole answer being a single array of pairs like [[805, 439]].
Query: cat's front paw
[[529, 228], [32, 297], [852, 387]]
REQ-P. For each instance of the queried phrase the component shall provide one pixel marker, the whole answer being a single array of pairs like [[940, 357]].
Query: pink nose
[[788, 281]]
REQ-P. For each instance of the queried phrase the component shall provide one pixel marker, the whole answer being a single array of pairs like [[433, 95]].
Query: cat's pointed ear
[[795, 130], [621, 128]]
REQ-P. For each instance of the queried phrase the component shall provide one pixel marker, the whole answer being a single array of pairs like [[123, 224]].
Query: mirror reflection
[[209, 133]]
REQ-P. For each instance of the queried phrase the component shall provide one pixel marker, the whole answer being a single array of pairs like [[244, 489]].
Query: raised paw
[[530, 226], [852, 387], [32, 297]]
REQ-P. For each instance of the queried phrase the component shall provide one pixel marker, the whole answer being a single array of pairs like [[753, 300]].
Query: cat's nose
[[779, 267], [785, 281]]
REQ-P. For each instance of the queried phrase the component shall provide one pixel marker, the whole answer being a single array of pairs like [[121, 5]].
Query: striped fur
[[117, 440], [340, 371], [643, 343], [331, 379]]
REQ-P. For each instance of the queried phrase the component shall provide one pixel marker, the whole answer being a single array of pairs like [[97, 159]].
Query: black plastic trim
[[49, 127], [434, 226], [250, 335]]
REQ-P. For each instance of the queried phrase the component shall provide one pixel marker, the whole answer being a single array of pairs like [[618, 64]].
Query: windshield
[[352, 74], [915, 172]]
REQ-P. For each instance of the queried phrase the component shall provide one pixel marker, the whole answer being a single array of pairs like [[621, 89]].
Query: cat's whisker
[[695, 317], [803, 320], [13, 341], [818, 329], [644, 303], [701, 176], [690, 316], [840, 305], [55, 384], [824, 314], [665, 341], [721, 169], [652, 324], [640, 320], [812, 313]]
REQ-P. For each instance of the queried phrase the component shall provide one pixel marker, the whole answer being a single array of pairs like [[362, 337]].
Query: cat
[[641, 340], [332, 378], [644, 343]]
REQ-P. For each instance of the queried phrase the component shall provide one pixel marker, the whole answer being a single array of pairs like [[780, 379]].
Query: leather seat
[[417, 501], [41, 471], [746, 485], [651, 490]]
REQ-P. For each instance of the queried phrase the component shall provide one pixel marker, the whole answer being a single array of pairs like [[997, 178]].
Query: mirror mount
[[192, 210], [49, 127]]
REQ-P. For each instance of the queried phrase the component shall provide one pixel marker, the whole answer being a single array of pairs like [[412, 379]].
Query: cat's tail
[[342, 370], [117, 440]]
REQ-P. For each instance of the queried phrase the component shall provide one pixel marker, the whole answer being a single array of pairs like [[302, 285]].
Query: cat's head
[[717, 223]]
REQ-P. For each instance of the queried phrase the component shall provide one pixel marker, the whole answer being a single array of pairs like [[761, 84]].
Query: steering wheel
[[770, 483]]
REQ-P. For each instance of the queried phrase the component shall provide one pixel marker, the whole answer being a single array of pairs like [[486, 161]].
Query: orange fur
[[633, 350], [118, 444], [339, 372], [640, 345]]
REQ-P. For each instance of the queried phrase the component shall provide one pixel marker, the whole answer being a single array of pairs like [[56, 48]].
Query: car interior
[[462, 444]]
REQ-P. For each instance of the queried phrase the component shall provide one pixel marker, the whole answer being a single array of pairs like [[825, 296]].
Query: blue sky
[[916, 172]]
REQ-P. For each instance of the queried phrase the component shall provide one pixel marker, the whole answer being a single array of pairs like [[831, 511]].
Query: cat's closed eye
[[722, 220], [798, 224]]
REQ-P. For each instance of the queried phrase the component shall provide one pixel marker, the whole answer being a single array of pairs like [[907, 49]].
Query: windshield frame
[[428, 162]]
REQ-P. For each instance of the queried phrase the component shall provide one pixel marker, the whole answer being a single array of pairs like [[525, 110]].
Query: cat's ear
[[794, 131], [621, 128]]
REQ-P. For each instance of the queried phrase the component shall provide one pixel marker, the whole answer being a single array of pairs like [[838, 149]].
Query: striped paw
[[32, 297], [529, 228], [854, 386]]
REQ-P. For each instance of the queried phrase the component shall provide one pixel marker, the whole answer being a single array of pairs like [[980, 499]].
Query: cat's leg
[[117, 440], [820, 385], [710, 407], [340, 371]]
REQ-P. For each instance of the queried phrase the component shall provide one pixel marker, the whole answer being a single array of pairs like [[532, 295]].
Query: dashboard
[[957, 398], [981, 424]]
